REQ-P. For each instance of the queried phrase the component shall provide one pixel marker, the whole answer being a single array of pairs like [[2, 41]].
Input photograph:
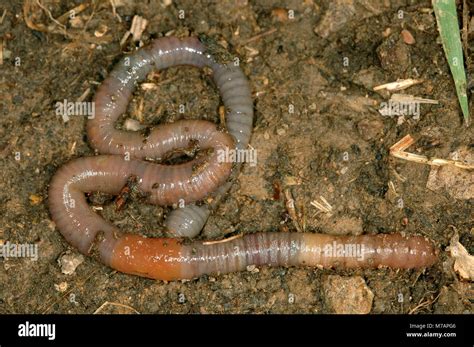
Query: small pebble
[[35, 199], [404, 221], [69, 263], [133, 125], [101, 30], [252, 269], [76, 22], [280, 14], [407, 37], [348, 295], [61, 287]]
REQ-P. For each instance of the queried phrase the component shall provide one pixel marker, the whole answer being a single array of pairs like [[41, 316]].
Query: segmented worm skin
[[169, 258], [112, 99]]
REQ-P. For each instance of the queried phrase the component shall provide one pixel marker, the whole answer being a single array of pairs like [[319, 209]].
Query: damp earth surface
[[318, 134]]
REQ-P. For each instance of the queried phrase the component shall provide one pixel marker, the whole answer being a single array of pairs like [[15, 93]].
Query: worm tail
[[187, 221]]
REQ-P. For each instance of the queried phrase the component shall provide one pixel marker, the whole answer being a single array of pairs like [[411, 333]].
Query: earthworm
[[112, 99], [171, 258]]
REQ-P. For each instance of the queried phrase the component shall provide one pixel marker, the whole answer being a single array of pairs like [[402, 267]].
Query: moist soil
[[312, 66]]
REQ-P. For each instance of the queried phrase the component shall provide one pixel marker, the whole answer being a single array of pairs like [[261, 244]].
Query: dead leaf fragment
[[463, 261]]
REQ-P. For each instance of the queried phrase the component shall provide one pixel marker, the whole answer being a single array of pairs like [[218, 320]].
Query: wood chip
[[138, 26]]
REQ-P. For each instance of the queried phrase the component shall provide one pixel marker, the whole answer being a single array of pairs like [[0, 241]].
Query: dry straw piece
[[398, 151], [399, 84]]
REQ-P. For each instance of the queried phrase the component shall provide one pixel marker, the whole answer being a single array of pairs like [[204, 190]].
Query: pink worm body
[[169, 259]]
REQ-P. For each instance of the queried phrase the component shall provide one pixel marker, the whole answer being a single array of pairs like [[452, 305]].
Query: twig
[[398, 151], [48, 12], [88, 19], [114, 304], [1, 51], [423, 304], [207, 243], [259, 36], [27, 5], [76, 10], [3, 16], [290, 207], [325, 206], [114, 10], [84, 95], [412, 98]]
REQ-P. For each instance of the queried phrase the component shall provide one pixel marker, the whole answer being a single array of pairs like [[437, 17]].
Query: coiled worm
[[168, 258]]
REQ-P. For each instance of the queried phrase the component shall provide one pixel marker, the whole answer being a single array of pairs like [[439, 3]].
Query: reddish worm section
[[167, 258]]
